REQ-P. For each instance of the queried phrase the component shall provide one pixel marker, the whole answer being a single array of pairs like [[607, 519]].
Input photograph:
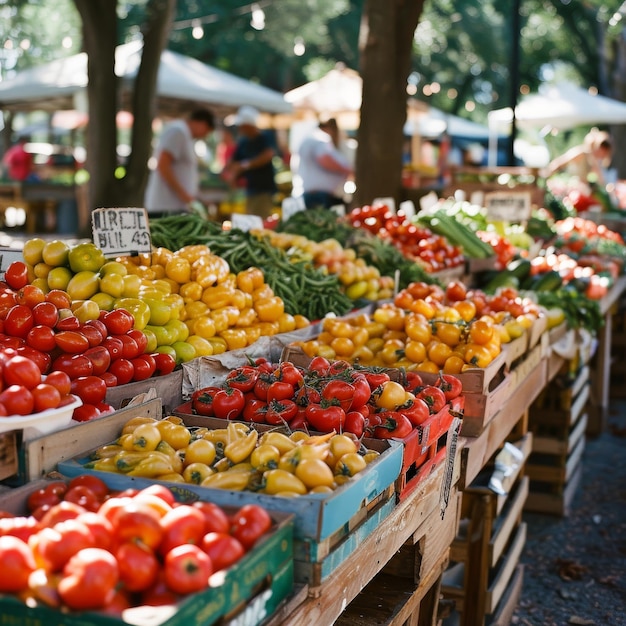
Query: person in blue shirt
[[252, 161]]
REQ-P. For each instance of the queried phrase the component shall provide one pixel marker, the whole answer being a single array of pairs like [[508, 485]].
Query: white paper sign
[[121, 231], [290, 206], [245, 222], [390, 203], [508, 206], [408, 208]]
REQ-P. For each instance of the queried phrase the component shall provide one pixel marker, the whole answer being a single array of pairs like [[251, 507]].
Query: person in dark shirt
[[252, 161]]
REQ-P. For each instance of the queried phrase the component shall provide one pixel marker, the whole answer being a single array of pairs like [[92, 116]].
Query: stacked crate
[[484, 582], [618, 347], [558, 420]]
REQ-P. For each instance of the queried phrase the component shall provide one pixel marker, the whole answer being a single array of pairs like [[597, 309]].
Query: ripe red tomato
[[18, 563], [224, 549], [21, 527], [109, 378], [123, 370], [228, 403], [82, 495], [99, 357], [434, 398], [187, 569], [85, 413], [41, 359], [54, 546], [46, 314], [16, 275], [418, 411], [19, 321], [138, 522], [165, 363], [41, 338], [115, 347], [249, 523], [215, 520], [42, 497], [45, 396], [95, 484], [74, 365], [339, 392], [67, 321], [144, 367], [130, 349], [89, 579], [140, 339], [71, 341], [19, 370], [61, 381], [139, 567], [99, 326], [61, 512], [30, 295], [59, 298], [17, 400], [93, 335], [182, 524], [100, 528], [450, 385], [319, 365], [118, 322]]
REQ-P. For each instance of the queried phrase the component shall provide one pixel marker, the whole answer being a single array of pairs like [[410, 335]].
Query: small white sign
[[390, 203], [408, 208], [338, 209], [508, 206], [246, 222], [121, 231], [428, 201], [290, 206]]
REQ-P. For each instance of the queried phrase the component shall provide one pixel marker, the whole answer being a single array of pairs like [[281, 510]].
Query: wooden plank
[[552, 503], [504, 613], [42, 454], [392, 601], [346, 582], [574, 459], [506, 525], [560, 447], [503, 577]]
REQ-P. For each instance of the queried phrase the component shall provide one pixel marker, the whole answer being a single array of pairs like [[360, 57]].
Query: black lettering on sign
[[121, 231]]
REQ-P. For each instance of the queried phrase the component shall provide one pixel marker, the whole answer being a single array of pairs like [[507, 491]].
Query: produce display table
[[601, 373], [416, 534]]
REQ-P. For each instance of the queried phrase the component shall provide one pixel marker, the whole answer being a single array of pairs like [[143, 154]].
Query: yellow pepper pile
[[236, 457]]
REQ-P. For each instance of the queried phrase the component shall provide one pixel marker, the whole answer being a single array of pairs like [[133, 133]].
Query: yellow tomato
[[391, 396], [342, 444], [477, 355], [195, 473], [480, 332], [438, 352], [200, 451], [314, 473], [415, 351], [350, 464], [279, 481], [453, 365], [342, 346]]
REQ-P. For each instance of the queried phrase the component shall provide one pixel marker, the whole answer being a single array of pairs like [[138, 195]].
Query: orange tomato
[[438, 352], [481, 332], [415, 351], [477, 355]]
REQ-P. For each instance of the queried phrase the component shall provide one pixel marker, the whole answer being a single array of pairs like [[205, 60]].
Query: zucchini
[[520, 268], [549, 281]]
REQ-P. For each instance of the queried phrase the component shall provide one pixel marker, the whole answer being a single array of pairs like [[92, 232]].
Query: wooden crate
[[41, 455], [483, 582], [168, 388], [8, 454]]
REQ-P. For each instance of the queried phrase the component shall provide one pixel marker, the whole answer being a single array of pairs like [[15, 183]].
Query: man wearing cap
[[323, 167], [173, 184], [252, 161]]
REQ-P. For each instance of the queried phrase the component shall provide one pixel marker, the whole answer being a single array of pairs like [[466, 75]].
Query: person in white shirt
[[173, 184], [323, 168]]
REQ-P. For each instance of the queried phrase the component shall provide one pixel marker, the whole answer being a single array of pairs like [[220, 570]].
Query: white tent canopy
[[561, 106], [61, 84]]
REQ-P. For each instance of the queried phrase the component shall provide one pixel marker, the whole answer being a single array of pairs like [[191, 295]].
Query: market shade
[[561, 106], [182, 82]]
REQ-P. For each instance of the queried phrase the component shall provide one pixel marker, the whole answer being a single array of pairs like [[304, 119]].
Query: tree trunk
[[387, 31], [618, 132], [100, 37]]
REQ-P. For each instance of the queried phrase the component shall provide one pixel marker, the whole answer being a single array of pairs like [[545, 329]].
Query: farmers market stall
[[373, 400]]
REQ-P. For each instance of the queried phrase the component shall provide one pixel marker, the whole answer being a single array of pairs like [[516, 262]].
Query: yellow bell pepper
[[239, 450]]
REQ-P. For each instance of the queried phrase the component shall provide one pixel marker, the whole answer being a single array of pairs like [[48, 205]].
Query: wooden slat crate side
[[542, 499], [505, 571], [503, 614], [8, 454]]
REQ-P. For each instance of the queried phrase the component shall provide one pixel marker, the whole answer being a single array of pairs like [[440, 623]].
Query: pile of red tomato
[[84, 548], [94, 353], [326, 397], [415, 242]]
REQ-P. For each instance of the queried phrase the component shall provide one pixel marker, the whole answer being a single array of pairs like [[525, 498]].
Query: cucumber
[[519, 268], [550, 281], [503, 279]]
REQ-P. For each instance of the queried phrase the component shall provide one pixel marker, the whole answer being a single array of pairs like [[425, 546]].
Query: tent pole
[[515, 75]]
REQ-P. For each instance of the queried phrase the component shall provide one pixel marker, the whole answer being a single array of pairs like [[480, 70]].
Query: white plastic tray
[[40, 423]]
